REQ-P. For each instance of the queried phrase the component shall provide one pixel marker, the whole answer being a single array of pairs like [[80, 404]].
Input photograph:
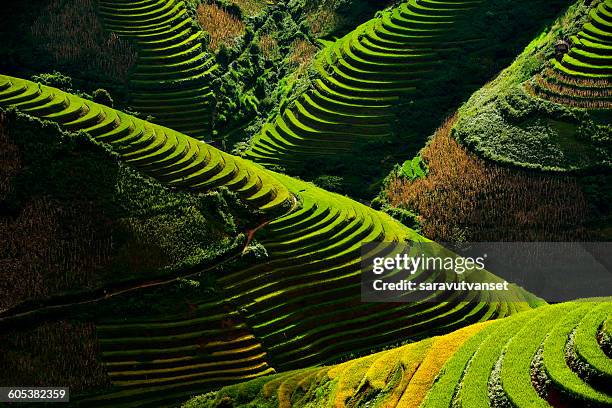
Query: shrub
[[323, 22], [302, 53], [330, 183], [102, 97], [406, 217], [269, 46], [250, 7], [55, 79]]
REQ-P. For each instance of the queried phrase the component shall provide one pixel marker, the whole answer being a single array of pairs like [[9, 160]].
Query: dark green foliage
[[598, 189], [102, 97], [406, 217], [55, 79], [251, 83], [46, 150], [330, 183], [333, 18], [230, 7], [64, 82]]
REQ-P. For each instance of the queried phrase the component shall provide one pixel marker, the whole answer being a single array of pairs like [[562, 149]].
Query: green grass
[[587, 347], [559, 373]]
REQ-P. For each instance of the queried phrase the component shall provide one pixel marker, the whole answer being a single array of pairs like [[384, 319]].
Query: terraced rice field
[[582, 77], [305, 303], [171, 157], [161, 360], [301, 305], [550, 356], [171, 78], [362, 77]]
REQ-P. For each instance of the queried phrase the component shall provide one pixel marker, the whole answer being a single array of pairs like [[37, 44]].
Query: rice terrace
[[306, 203]]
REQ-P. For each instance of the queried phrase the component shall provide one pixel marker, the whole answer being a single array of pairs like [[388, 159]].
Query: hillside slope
[[302, 302], [97, 252], [533, 146], [513, 204], [87, 221], [381, 88], [554, 356], [551, 109]]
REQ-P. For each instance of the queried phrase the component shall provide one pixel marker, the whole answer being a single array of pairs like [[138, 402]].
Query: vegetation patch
[[223, 27], [465, 198], [252, 7], [68, 37], [71, 33], [86, 220]]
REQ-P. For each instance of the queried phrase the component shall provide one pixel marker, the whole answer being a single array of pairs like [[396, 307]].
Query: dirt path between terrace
[[251, 233]]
